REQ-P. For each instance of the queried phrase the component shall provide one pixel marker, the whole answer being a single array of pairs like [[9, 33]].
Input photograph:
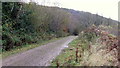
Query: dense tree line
[[29, 23]]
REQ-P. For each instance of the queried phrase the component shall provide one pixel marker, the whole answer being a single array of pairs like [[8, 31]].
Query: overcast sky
[[106, 8]]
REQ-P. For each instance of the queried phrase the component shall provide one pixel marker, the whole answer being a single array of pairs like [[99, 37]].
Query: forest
[[28, 23]]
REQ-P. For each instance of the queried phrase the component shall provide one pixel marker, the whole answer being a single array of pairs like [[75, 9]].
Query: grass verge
[[74, 54], [67, 57], [26, 47]]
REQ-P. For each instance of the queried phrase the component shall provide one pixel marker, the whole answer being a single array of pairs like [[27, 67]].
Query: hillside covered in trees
[[24, 23]]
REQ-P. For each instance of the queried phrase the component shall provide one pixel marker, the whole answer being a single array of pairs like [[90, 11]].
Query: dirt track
[[40, 56]]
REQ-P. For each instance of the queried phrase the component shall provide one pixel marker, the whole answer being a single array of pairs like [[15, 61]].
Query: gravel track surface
[[39, 56]]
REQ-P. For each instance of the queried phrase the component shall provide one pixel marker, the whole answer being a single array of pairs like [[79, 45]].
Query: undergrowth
[[83, 49], [72, 56]]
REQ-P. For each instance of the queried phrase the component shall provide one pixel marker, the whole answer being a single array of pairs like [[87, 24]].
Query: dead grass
[[92, 51]]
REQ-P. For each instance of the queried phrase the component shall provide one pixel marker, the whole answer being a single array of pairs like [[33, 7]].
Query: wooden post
[[76, 54], [57, 63]]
